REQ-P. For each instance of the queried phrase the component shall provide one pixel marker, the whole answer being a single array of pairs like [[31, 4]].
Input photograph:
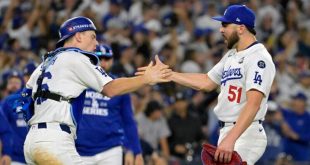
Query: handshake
[[155, 72]]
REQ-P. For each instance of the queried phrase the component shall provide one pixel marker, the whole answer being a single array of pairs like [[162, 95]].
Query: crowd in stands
[[173, 121]]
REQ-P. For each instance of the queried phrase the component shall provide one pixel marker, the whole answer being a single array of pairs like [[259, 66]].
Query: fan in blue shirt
[[6, 141], [299, 120], [15, 120], [107, 125]]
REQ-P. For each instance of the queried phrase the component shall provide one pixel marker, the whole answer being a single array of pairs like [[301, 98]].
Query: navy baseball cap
[[29, 68], [238, 14], [300, 96], [104, 51]]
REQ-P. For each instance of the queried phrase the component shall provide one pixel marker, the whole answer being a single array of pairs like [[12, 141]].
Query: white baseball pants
[[50, 146], [251, 144]]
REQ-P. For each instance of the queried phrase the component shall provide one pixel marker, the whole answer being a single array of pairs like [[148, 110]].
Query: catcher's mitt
[[208, 152]]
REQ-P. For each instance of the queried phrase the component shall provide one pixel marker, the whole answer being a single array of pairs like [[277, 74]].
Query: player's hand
[[224, 151], [129, 158], [156, 73], [141, 70], [139, 160], [5, 160]]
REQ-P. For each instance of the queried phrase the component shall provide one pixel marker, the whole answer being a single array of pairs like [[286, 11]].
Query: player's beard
[[232, 40]]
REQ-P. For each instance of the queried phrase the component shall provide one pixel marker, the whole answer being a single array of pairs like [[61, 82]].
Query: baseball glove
[[208, 152]]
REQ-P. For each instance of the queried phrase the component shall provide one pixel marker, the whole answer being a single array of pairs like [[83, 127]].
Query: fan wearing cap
[[13, 80], [298, 119], [107, 125], [58, 87], [244, 75], [16, 121]]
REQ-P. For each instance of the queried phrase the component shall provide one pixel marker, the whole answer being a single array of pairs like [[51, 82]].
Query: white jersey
[[68, 75], [237, 73]]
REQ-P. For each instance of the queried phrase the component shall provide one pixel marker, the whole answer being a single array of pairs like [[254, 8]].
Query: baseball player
[[58, 88], [245, 75], [107, 124]]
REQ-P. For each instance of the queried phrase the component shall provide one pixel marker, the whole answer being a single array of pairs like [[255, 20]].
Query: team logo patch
[[70, 29], [261, 64]]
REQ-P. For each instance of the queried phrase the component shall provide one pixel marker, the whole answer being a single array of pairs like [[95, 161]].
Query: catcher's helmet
[[104, 51], [72, 26]]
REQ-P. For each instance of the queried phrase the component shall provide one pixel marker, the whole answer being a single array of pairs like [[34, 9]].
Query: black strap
[[222, 123], [53, 96], [43, 93], [47, 58]]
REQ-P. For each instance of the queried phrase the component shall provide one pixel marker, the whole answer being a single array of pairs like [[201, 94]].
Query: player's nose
[[222, 29]]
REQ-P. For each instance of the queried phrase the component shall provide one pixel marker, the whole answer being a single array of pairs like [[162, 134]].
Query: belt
[[63, 127], [223, 124], [53, 96]]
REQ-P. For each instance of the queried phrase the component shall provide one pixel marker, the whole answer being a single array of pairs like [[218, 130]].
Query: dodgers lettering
[[231, 74]]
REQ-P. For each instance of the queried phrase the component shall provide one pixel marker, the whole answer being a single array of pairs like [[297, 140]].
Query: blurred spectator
[[28, 69], [304, 41], [124, 66], [141, 42], [116, 11], [6, 141], [284, 159], [16, 120], [303, 86], [190, 64], [298, 120], [143, 11], [272, 127], [14, 81], [287, 46], [206, 22], [153, 128], [15, 26], [186, 131], [285, 79], [269, 18], [100, 8]]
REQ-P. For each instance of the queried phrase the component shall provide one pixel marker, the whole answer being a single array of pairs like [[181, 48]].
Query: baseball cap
[[12, 73], [29, 68], [104, 51], [300, 96], [238, 14]]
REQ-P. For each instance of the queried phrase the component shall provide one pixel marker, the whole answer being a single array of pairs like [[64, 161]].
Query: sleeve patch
[[261, 64]]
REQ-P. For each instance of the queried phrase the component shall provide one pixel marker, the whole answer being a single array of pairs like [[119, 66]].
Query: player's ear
[[241, 29], [78, 36]]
